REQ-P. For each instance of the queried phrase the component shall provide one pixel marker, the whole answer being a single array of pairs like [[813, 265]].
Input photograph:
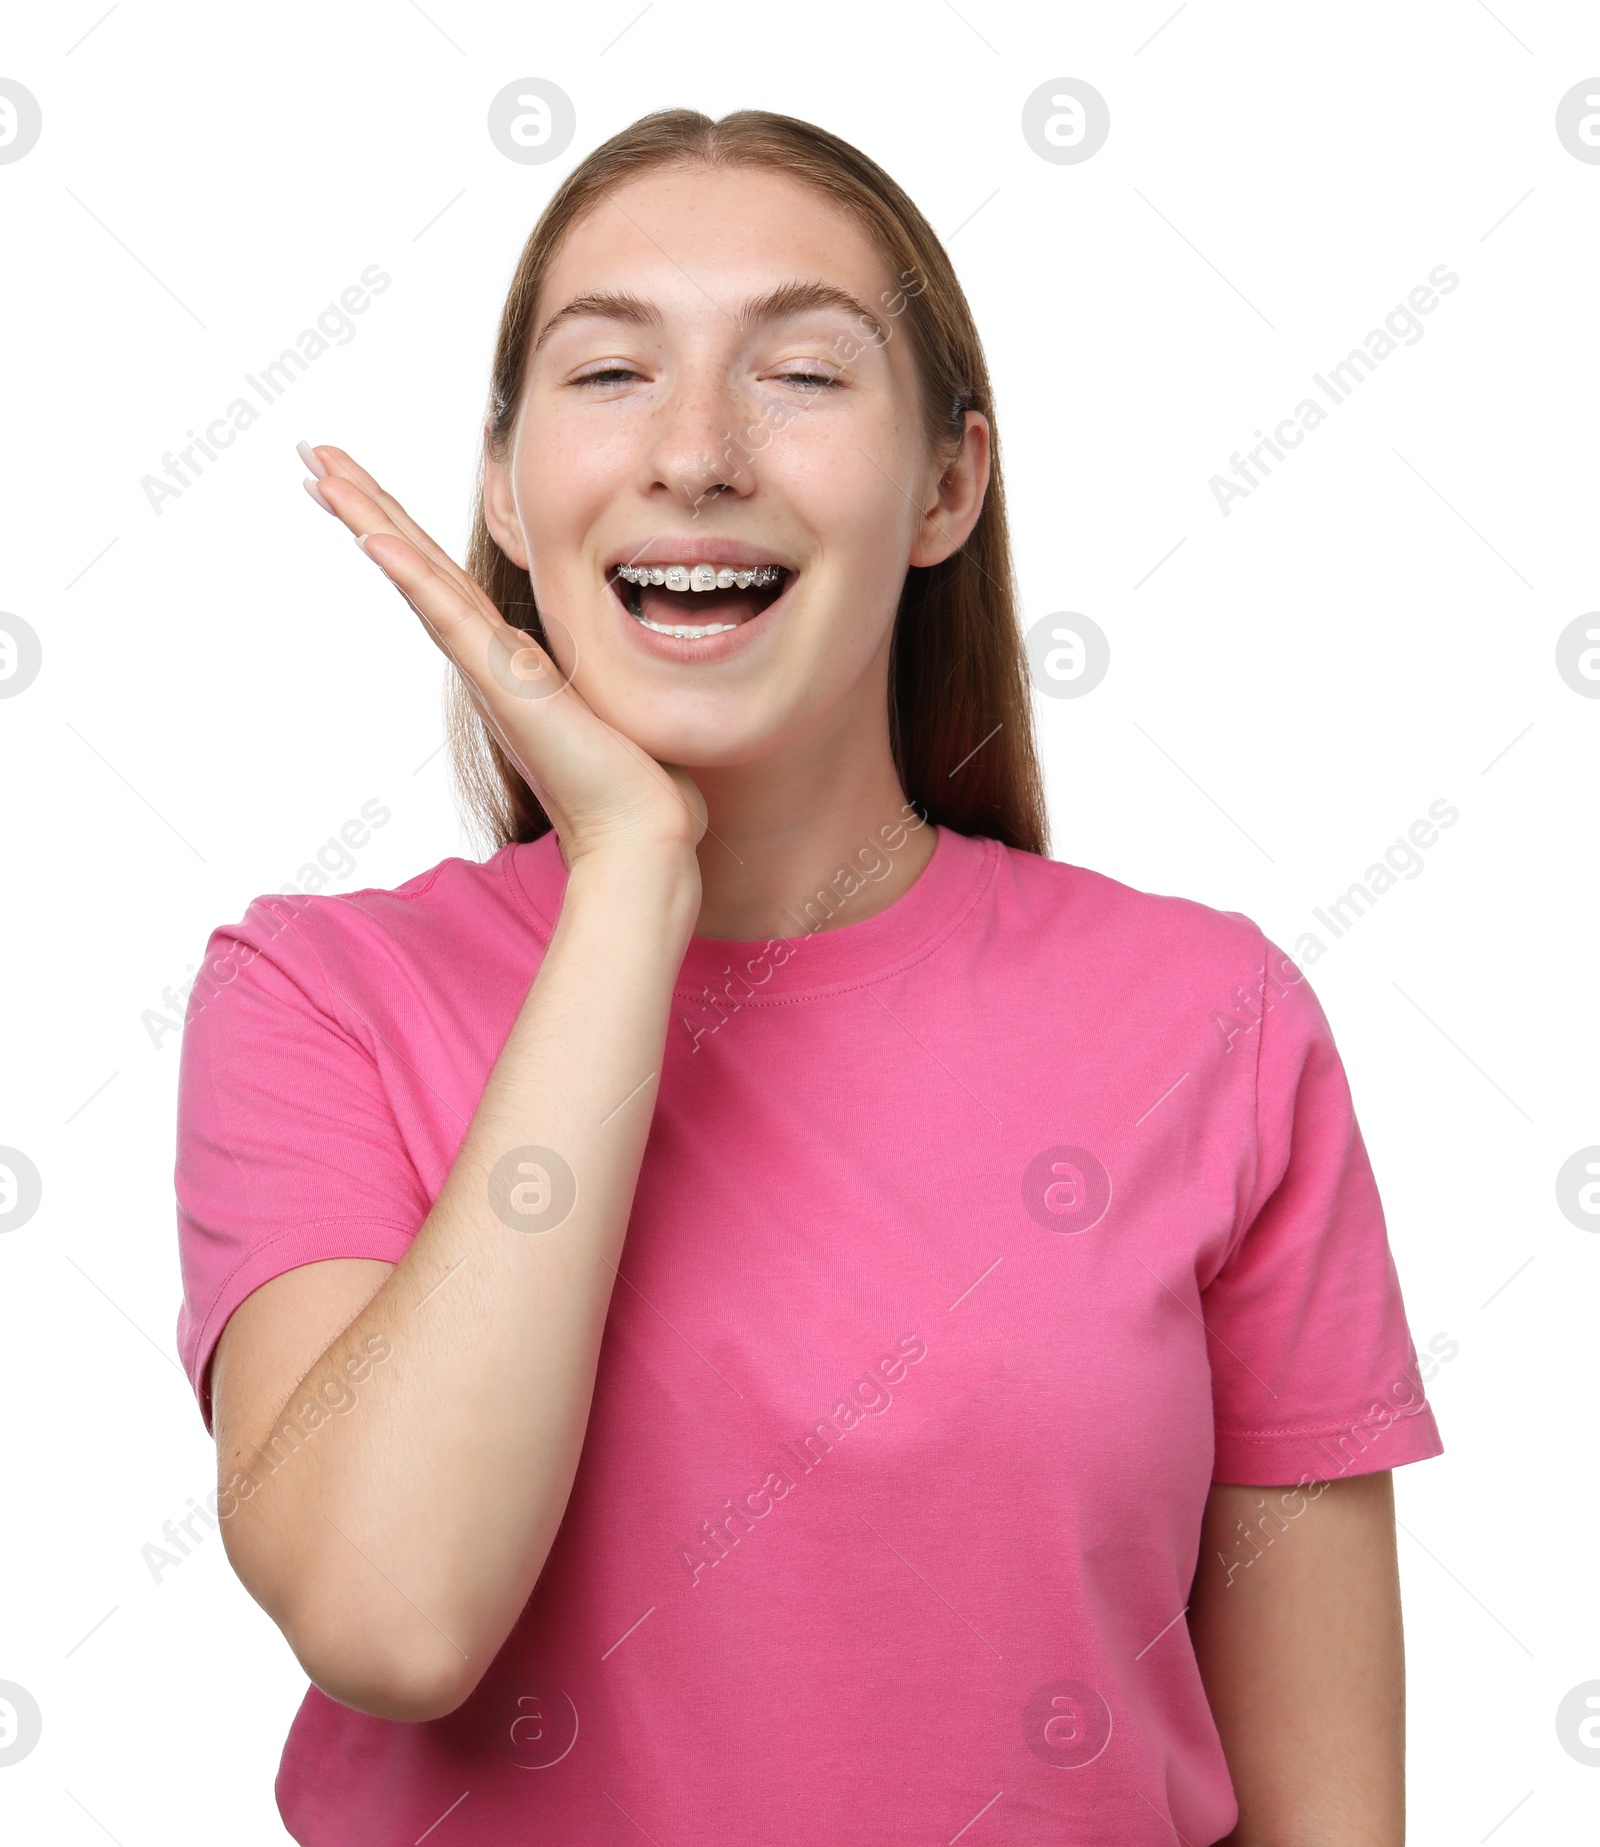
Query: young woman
[[768, 1310]]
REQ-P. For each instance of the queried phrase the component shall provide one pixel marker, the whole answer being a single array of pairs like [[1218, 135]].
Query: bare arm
[[1295, 1616], [396, 1544]]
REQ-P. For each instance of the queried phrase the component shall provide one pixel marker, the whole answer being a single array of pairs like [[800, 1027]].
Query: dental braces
[[699, 576]]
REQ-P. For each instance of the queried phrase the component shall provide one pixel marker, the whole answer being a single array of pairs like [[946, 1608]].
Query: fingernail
[[308, 455], [316, 494], [361, 540]]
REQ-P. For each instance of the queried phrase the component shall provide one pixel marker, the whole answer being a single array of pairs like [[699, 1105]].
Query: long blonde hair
[[960, 709]]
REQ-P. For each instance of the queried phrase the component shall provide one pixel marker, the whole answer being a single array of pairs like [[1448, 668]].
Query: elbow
[[364, 1655], [412, 1692], [390, 1680], [369, 1660]]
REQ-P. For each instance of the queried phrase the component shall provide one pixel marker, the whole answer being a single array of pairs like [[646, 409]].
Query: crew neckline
[[825, 961]]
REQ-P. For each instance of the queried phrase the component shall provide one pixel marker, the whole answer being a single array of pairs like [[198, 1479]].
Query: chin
[[695, 736]]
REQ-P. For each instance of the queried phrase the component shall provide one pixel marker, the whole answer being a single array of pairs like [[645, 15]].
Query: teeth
[[699, 576], [686, 577], [686, 634]]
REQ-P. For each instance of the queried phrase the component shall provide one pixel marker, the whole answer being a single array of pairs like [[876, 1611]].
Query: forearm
[[412, 1529]]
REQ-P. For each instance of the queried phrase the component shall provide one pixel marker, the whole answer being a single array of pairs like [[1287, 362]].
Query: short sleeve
[[1314, 1372], [288, 1151]]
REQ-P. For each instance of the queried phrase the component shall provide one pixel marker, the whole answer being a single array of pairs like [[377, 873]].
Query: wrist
[[650, 880]]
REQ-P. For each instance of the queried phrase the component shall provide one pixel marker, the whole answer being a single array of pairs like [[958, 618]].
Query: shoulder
[[455, 896], [1096, 917], [1147, 963], [455, 915]]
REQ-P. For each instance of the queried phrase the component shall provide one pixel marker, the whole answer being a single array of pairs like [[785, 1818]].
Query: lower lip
[[708, 648]]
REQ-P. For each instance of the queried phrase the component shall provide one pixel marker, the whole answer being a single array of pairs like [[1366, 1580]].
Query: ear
[[500, 505], [954, 499]]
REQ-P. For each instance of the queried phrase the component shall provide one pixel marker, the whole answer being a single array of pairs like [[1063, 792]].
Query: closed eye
[[808, 382], [607, 375]]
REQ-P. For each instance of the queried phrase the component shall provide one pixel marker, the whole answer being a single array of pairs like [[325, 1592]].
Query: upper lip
[[698, 550]]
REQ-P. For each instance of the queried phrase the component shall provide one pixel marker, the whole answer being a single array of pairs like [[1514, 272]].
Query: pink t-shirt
[[974, 1240]]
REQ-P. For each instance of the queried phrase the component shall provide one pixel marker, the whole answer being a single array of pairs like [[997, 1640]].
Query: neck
[[781, 831]]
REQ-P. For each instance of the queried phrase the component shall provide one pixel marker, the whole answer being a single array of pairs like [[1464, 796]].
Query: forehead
[[696, 240]]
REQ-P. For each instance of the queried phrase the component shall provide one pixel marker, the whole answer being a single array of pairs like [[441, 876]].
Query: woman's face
[[705, 390]]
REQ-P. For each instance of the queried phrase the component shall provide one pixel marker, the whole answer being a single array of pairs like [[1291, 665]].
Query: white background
[[1370, 631]]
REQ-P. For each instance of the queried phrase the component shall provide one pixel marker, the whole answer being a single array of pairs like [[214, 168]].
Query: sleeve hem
[[385, 1242], [1264, 1459]]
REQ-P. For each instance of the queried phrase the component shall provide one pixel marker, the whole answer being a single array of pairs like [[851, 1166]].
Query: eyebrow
[[785, 301]]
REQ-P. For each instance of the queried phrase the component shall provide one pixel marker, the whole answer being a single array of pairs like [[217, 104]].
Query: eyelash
[[811, 379]]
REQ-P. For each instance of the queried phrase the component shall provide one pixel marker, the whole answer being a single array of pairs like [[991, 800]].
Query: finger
[[355, 507], [343, 468], [338, 462], [453, 619], [365, 518], [504, 663], [502, 737], [364, 511]]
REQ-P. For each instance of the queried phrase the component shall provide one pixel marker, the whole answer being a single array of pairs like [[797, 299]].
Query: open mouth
[[693, 601]]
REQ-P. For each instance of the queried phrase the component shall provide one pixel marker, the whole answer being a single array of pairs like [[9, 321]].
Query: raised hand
[[600, 789]]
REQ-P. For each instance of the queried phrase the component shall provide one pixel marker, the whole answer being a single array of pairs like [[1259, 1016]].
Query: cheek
[[564, 487], [869, 517], [845, 489], [562, 471], [854, 483]]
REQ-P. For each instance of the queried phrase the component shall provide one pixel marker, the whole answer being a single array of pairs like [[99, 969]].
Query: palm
[[595, 784]]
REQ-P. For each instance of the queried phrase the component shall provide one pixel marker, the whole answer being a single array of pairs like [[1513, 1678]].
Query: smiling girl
[[889, 1338]]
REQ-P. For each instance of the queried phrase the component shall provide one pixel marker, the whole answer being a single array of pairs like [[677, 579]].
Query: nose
[[695, 453]]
